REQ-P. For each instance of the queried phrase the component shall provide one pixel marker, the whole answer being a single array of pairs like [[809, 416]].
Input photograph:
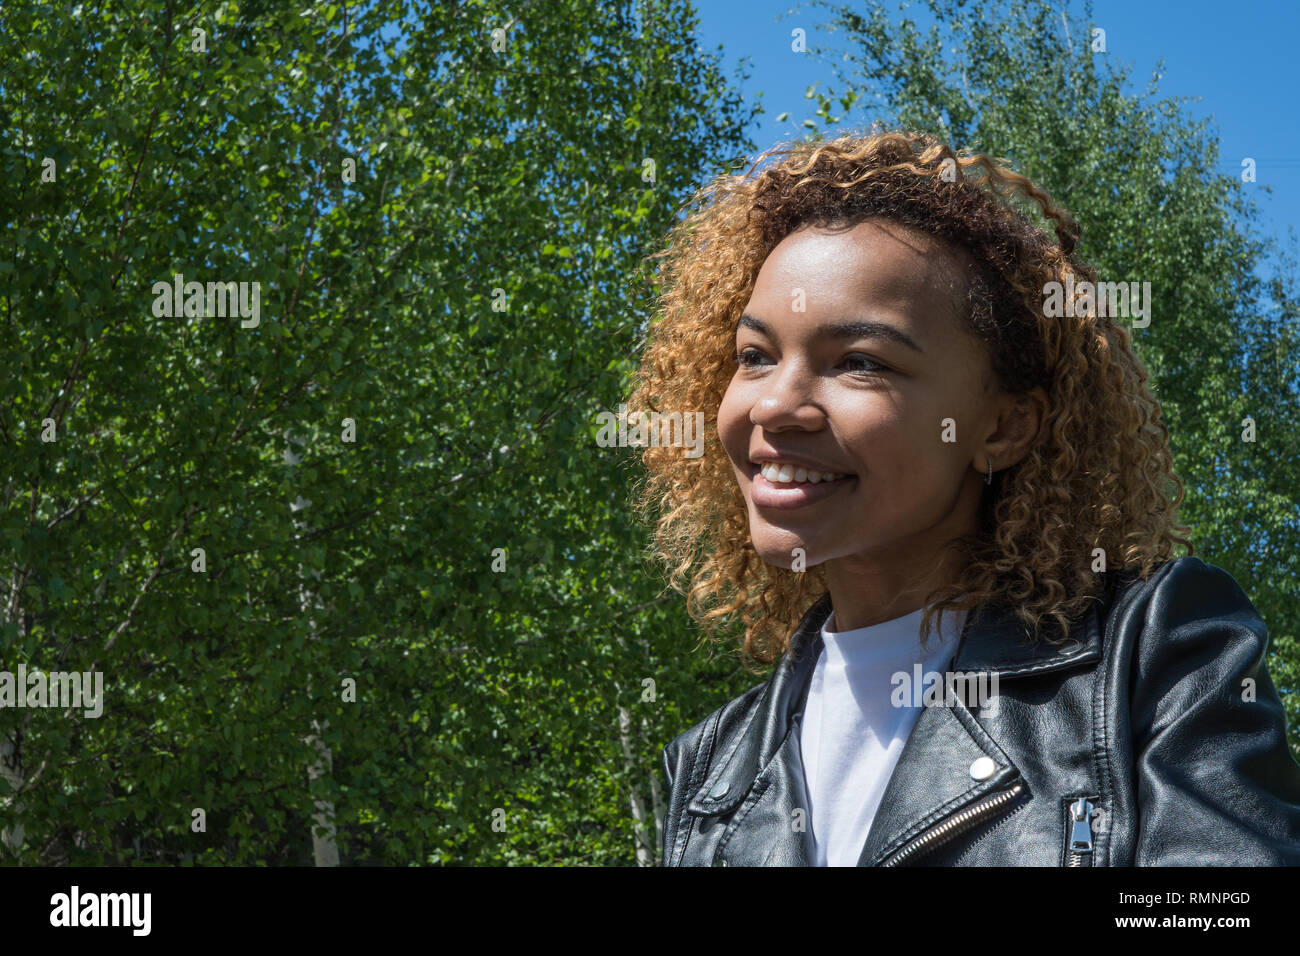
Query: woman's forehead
[[872, 264]]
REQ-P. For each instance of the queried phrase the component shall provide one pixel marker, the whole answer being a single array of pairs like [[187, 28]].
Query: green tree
[[233, 517], [1146, 182]]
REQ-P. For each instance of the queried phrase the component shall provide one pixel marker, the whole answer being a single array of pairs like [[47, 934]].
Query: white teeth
[[793, 474]]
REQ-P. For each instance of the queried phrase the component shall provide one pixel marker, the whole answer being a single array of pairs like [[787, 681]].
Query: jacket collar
[[941, 748]]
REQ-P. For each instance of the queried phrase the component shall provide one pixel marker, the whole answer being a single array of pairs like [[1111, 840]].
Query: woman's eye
[[867, 365], [858, 363]]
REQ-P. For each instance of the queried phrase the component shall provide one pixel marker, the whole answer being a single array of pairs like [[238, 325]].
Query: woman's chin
[[795, 557]]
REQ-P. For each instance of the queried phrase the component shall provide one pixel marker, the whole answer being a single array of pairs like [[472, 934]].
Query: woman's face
[[852, 358]]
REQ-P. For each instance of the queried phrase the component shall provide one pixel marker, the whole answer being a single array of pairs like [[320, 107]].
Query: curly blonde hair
[[1101, 475]]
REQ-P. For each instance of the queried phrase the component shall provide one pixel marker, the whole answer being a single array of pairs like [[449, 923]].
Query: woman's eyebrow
[[841, 330]]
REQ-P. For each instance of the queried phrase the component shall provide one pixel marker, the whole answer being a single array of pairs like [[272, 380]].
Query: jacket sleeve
[[670, 814], [1216, 782], [680, 769]]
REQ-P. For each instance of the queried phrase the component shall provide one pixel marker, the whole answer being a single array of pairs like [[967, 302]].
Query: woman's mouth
[[782, 487]]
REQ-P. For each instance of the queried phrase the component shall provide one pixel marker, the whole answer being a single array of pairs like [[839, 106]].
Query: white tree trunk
[[644, 851], [324, 846], [657, 801], [11, 760], [11, 767]]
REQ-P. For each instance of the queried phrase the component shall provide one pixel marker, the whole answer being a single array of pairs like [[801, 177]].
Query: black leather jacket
[[1155, 737]]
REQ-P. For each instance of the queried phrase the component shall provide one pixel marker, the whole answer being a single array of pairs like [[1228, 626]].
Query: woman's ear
[[1021, 424]]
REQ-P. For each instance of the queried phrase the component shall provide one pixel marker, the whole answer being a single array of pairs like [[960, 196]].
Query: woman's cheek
[[730, 428]]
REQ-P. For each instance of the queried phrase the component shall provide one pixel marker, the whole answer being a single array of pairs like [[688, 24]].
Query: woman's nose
[[785, 398]]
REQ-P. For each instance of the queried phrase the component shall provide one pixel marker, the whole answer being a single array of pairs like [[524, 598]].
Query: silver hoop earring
[[988, 480]]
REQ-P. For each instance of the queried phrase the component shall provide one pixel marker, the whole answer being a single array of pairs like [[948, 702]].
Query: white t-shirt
[[851, 734]]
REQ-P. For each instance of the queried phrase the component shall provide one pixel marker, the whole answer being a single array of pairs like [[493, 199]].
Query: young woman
[[908, 424]]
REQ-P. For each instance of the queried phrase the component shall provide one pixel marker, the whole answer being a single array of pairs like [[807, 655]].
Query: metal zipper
[[969, 818], [1080, 850]]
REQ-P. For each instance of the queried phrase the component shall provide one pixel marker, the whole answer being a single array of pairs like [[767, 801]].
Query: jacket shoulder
[[1186, 587], [1202, 726], [721, 725]]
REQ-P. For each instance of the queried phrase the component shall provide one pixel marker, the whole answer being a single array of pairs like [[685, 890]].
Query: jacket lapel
[[934, 778], [761, 777], [940, 771]]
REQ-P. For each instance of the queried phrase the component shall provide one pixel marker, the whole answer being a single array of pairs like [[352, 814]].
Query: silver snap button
[[720, 790], [983, 768]]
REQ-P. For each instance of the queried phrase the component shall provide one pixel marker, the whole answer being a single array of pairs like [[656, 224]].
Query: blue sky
[[1237, 58]]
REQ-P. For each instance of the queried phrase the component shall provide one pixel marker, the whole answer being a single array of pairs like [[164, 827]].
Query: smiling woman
[[858, 302], [904, 430], [868, 399]]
